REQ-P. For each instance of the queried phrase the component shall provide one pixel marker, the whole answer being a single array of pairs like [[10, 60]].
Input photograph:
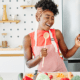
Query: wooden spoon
[[46, 36]]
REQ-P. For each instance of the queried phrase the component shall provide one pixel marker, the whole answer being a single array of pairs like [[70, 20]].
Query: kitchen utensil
[[46, 36], [35, 75]]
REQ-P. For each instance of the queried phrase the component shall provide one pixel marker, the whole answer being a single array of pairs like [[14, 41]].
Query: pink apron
[[52, 62]]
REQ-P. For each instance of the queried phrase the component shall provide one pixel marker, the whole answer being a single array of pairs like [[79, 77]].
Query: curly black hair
[[47, 4]]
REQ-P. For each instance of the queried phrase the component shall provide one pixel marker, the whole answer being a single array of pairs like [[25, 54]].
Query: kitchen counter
[[12, 52]]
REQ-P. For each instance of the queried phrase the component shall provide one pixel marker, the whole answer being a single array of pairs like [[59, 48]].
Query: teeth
[[48, 24]]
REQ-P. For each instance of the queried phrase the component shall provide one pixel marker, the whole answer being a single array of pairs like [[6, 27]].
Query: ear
[[38, 19]]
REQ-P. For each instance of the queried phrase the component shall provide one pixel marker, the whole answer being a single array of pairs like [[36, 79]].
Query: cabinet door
[[11, 64]]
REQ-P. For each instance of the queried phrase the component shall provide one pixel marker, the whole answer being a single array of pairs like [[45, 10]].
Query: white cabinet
[[12, 64]]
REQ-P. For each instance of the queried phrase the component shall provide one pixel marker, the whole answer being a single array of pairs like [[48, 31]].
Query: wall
[[17, 31], [27, 21]]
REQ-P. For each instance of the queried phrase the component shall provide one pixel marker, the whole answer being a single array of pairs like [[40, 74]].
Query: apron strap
[[53, 41], [35, 37]]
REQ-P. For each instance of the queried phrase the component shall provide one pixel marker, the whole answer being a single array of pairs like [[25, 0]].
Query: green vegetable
[[76, 77], [42, 77], [1, 78]]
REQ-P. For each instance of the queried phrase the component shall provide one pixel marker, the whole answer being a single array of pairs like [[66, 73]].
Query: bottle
[[4, 18]]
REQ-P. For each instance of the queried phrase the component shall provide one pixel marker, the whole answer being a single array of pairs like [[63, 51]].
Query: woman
[[34, 42]]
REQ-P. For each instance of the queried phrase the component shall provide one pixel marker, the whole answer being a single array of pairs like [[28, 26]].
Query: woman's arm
[[28, 53], [65, 51]]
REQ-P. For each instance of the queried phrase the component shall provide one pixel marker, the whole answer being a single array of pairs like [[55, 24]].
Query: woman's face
[[46, 20]]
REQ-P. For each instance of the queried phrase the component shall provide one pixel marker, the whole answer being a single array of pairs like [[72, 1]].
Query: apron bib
[[52, 62]]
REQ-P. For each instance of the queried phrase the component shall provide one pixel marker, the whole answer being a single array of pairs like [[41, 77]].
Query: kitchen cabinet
[[10, 76], [12, 64]]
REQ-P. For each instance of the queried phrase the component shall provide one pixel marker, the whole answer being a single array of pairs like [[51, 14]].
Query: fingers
[[78, 37], [44, 52]]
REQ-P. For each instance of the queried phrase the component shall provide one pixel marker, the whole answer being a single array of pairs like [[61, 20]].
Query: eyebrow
[[48, 15]]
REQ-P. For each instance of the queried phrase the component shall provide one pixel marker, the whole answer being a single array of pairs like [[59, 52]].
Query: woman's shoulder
[[55, 30], [58, 32], [27, 38]]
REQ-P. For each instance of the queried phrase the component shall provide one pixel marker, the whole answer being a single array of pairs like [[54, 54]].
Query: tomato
[[51, 76], [64, 79]]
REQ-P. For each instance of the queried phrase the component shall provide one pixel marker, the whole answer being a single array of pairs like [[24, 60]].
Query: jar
[[4, 41], [14, 17]]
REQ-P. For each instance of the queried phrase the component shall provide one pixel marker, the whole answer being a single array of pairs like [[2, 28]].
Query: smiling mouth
[[48, 25]]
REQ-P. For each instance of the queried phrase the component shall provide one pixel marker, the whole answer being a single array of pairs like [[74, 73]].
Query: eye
[[47, 17], [52, 18]]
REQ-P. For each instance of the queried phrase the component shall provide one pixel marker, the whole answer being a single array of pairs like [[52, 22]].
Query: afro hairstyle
[[47, 4]]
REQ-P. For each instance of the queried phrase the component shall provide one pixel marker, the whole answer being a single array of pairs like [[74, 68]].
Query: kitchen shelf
[[11, 49], [24, 6], [10, 21], [7, 55]]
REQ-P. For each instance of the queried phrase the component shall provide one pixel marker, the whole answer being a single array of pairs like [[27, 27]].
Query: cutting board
[[55, 75]]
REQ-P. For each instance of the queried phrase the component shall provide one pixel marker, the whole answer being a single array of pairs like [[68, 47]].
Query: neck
[[39, 28]]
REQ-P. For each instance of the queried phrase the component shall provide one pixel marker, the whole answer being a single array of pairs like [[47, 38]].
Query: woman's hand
[[77, 41], [43, 52]]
